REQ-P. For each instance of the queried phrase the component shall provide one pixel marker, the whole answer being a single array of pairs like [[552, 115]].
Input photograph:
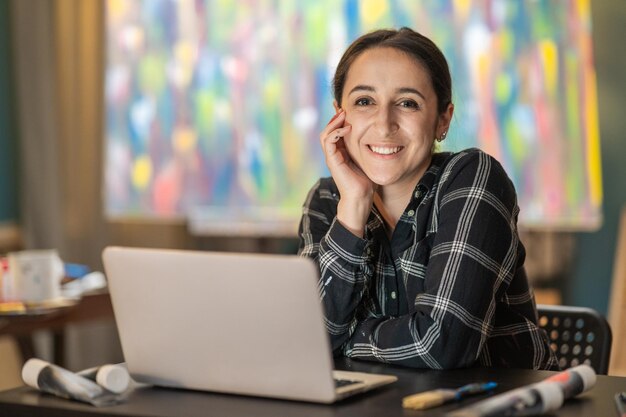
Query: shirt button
[[418, 194], [393, 295], [411, 213]]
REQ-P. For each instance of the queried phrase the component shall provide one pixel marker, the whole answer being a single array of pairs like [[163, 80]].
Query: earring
[[442, 137]]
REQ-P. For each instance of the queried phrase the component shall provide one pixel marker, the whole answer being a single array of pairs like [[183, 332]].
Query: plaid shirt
[[447, 290]]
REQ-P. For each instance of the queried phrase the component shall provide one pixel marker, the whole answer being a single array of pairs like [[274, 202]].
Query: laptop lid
[[235, 323]]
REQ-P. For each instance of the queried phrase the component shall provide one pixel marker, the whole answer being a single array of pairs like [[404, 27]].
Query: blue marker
[[434, 398]]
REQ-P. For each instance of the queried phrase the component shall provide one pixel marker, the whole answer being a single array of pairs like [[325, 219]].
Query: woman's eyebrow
[[361, 87], [401, 90], [405, 90]]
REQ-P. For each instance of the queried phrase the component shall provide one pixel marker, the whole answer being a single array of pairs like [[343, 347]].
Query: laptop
[[233, 323]]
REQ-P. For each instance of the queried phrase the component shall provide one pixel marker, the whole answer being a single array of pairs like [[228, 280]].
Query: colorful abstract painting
[[213, 108]]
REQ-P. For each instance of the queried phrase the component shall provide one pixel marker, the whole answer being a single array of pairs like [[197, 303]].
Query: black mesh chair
[[577, 335]]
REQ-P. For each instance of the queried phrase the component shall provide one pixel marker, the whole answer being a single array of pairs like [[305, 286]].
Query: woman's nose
[[386, 123]]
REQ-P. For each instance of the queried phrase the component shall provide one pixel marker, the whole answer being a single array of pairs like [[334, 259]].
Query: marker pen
[[434, 398]]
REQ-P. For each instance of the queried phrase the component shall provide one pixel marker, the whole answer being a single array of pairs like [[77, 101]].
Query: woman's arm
[[473, 259], [332, 228], [356, 189], [341, 256]]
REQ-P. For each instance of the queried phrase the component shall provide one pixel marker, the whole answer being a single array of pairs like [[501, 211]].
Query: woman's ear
[[444, 120], [336, 106]]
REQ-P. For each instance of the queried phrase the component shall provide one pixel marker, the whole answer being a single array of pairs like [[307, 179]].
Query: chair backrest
[[577, 335]]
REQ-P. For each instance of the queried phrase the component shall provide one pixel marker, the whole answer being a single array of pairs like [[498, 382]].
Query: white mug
[[36, 274]]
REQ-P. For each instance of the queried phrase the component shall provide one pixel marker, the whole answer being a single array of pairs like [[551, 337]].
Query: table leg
[[26, 346], [58, 347]]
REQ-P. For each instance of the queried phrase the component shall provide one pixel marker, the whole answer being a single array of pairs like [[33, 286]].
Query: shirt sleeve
[[342, 258], [474, 256]]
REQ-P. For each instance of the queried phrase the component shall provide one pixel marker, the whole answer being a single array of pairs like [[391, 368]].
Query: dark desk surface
[[598, 402]]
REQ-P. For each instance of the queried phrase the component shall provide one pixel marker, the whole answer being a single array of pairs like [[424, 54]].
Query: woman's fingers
[[339, 133], [332, 133], [332, 137], [334, 123], [335, 116]]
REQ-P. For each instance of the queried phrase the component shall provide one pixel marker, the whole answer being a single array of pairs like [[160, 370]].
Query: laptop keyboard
[[343, 382]]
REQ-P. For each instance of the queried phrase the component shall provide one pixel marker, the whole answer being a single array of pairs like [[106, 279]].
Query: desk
[[92, 306], [382, 402]]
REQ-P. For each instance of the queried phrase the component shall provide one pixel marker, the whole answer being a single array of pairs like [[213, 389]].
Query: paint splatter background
[[214, 107]]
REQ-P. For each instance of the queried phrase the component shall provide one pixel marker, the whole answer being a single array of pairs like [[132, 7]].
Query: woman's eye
[[363, 102], [410, 104]]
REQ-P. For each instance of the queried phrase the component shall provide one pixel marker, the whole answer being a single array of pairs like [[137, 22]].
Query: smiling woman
[[417, 250], [391, 105]]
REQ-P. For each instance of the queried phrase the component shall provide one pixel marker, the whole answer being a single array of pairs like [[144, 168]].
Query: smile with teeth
[[385, 150]]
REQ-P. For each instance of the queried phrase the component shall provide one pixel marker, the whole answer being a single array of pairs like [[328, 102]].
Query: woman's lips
[[385, 150]]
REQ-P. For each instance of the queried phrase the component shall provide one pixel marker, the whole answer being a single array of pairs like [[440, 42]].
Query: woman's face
[[391, 104]]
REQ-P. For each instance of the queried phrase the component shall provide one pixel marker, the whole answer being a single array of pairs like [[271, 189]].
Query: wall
[[592, 268], [9, 368], [593, 263], [8, 169]]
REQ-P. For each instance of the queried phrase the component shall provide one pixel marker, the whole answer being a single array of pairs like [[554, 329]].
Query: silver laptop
[[235, 323]]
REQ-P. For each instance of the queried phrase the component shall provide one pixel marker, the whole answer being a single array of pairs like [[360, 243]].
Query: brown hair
[[412, 43]]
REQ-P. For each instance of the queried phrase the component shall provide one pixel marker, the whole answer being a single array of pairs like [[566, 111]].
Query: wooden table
[[92, 306]]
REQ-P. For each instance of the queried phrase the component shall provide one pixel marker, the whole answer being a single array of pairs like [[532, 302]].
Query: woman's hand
[[355, 188]]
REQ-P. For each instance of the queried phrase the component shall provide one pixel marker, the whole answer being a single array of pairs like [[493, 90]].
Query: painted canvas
[[214, 107]]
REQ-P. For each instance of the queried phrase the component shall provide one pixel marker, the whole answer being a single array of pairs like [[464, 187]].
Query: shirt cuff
[[344, 243]]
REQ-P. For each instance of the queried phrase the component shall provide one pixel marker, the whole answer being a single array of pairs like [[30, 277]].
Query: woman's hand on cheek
[[355, 188]]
